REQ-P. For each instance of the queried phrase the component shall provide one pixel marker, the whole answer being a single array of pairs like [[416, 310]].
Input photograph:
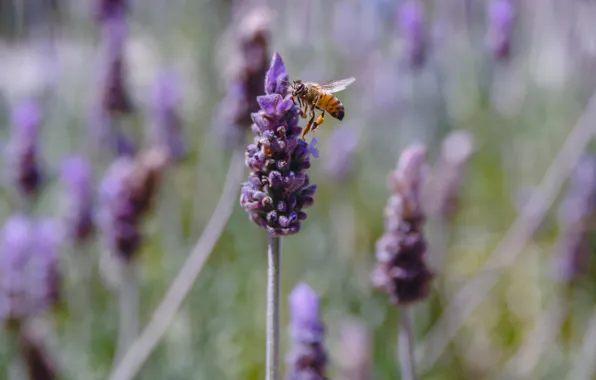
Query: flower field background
[[498, 92]]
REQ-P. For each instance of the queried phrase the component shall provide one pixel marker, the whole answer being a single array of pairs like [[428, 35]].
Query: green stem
[[273, 290], [406, 356]]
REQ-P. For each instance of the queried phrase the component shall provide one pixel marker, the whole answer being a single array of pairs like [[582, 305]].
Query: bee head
[[298, 89]]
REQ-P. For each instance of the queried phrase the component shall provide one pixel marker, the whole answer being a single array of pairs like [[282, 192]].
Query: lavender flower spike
[[411, 23], [401, 269], [27, 175], [166, 119], [29, 280], [278, 187], [500, 18], [307, 357], [106, 9], [77, 180]]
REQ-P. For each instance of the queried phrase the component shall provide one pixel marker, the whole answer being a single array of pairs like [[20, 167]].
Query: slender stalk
[[142, 348], [584, 365], [406, 345], [273, 289], [129, 310]]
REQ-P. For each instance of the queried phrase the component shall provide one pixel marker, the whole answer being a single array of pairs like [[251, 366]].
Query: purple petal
[[277, 80]]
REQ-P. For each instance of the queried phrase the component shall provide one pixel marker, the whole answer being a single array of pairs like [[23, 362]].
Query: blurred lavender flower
[[245, 72], [500, 19], [78, 198], [401, 270], [126, 194], [577, 220], [339, 165], [115, 96], [29, 279], [26, 173], [278, 187], [448, 175], [307, 358], [107, 9], [167, 124], [411, 22]]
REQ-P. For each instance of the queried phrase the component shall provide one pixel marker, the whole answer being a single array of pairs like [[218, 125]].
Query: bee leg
[[303, 112], [308, 126], [319, 121]]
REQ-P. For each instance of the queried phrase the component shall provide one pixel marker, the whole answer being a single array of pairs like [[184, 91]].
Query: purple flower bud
[[27, 176], [500, 19], [78, 197], [401, 269], [342, 146], [166, 119], [307, 357], [29, 280], [411, 22], [126, 195], [577, 218], [277, 159]]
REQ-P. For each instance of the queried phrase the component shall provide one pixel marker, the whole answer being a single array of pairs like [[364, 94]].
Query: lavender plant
[[278, 187], [23, 150], [106, 9], [307, 358], [401, 269], [78, 198]]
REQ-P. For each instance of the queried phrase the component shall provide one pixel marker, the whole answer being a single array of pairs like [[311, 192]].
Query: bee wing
[[337, 85]]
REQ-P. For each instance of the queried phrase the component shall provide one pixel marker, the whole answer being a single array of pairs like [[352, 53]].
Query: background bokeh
[[517, 105]]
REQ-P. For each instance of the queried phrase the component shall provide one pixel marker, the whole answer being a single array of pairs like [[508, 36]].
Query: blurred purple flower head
[[247, 63], [77, 181], [278, 187], [339, 165], [411, 22], [115, 98], [126, 195], [577, 220], [107, 9], [29, 279], [167, 123], [401, 269], [307, 357], [500, 20], [26, 173]]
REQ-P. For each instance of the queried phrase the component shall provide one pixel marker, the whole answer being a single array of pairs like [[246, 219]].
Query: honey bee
[[311, 96]]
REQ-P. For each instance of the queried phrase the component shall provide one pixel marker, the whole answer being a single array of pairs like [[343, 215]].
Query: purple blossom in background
[[107, 9], [26, 173], [126, 195], [167, 123], [246, 71], [339, 165], [77, 180], [577, 220], [401, 269], [115, 97], [29, 278], [307, 358], [411, 23], [500, 20], [278, 187]]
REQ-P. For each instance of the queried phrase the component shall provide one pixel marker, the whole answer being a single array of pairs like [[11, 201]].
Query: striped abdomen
[[331, 104]]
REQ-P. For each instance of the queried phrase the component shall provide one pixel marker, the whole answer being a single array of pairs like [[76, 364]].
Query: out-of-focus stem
[[584, 365], [129, 311], [273, 310], [406, 345]]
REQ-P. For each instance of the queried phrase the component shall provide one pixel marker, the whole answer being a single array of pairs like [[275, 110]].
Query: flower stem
[[129, 310], [273, 290], [405, 341]]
